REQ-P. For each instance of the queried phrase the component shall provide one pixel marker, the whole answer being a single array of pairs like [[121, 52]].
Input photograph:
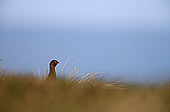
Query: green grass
[[30, 94]]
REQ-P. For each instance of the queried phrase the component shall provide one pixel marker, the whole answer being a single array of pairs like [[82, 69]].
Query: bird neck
[[52, 68]]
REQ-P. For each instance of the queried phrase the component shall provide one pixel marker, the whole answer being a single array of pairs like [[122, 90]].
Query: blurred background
[[129, 39]]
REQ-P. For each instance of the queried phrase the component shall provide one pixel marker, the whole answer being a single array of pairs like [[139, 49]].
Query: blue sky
[[123, 38]]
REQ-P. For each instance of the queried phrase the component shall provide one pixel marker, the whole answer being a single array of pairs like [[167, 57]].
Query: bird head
[[54, 63]]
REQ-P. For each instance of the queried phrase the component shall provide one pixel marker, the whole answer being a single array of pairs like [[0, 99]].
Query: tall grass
[[32, 93], [29, 94]]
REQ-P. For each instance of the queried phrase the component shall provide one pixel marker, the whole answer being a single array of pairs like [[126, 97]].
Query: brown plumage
[[52, 73]]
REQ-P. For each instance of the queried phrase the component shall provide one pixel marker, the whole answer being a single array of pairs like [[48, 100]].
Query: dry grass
[[29, 94], [32, 93]]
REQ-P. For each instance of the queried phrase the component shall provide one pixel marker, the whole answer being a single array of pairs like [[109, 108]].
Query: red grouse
[[52, 73]]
